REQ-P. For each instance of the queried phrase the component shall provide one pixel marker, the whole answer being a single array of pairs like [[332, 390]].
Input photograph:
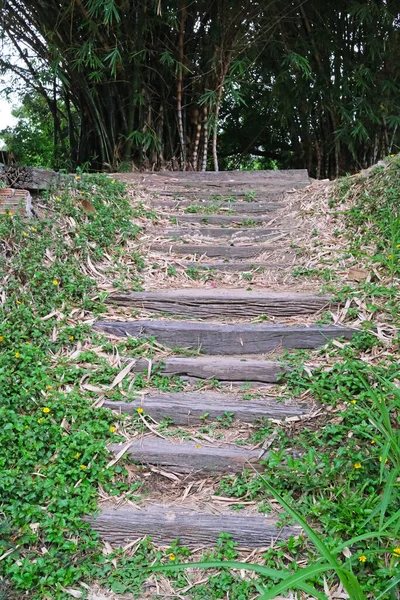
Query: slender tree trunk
[[215, 128], [205, 139], [197, 124], [180, 83]]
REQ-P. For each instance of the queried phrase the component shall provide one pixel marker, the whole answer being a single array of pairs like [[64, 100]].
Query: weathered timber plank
[[256, 234], [226, 302], [242, 208], [188, 457], [164, 524], [223, 369], [215, 338], [218, 219], [189, 408], [212, 251], [240, 267]]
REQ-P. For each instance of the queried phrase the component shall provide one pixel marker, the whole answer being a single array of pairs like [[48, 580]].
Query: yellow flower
[[362, 558], [381, 459], [33, 228], [10, 213], [18, 302], [48, 387], [172, 557], [83, 467], [357, 465], [1, 338], [24, 233], [17, 355], [353, 401], [77, 177], [112, 180], [71, 338], [390, 256], [40, 420], [77, 455], [140, 410], [28, 343], [26, 426], [55, 282], [58, 199], [396, 551], [373, 442], [46, 409], [112, 428]]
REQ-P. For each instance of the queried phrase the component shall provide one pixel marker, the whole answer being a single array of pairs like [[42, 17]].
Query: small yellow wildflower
[[362, 558], [172, 557], [198, 446], [17, 355], [77, 177], [357, 465], [46, 409], [381, 459], [26, 426], [24, 233], [112, 180], [112, 428], [10, 213], [1, 338], [353, 401], [140, 410], [28, 343], [55, 282], [83, 467], [58, 199], [40, 420], [18, 301], [77, 455], [48, 387], [71, 338], [33, 228], [396, 551], [373, 442], [390, 256]]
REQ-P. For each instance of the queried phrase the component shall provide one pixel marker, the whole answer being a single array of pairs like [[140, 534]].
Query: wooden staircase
[[232, 349]]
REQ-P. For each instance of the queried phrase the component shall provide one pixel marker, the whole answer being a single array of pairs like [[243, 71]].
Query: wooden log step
[[212, 251], [216, 338], [206, 303], [190, 408], [189, 457], [164, 524], [240, 208], [256, 234], [247, 220], [239, 267], [223, 369], [223, 177]]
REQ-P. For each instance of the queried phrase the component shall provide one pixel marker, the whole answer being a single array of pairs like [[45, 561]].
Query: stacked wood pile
[[32, 178]]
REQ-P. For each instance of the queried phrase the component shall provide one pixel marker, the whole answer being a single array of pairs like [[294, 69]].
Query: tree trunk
[[180, 83], [205, 138]]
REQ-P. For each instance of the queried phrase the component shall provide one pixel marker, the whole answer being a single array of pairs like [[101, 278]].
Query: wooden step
[[236, 267], [190, 408], [206, 303], [189, 457], [256, 234], [212, 251], [226, 368], [219, 219], [164, 524], [241, 208], [216, 338]]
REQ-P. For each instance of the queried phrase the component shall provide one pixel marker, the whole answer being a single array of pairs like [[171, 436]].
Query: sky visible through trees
[[206, 84]]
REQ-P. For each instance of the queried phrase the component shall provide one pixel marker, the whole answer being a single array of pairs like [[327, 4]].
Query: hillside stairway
[[231, 337]]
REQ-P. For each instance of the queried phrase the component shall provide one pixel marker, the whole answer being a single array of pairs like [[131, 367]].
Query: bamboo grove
[[211, 84]]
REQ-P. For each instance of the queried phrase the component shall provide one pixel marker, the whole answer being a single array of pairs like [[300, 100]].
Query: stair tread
[[213, 251], [188, 408], [164, 524], [217, 338]]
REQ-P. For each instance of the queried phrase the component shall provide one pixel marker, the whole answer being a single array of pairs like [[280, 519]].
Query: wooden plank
[[212, 251], [227, 302], [239, 267], [242, 208], [164, 524], [256, 234], [190, 408], [223, 369], [15, 202], [189, 457], [218, 219], [216, 338]]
